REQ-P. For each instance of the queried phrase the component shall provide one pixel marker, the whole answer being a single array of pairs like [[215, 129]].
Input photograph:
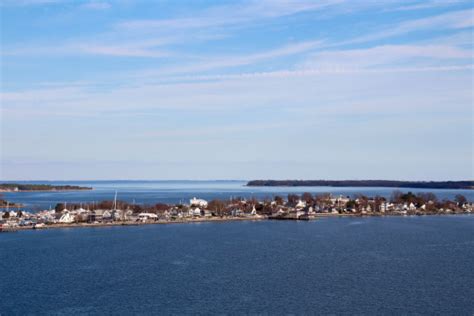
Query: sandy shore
[[130, 223], [199, 220]]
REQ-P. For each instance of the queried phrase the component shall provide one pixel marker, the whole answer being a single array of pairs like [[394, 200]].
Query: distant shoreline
[[21, 187], [455, 185], [52, 190]]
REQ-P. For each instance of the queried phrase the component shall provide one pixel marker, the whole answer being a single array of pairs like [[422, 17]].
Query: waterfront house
[[10, 223], [107, 216], [198, 202], [118, 215], [147, 216], [236, 212], [195, 212], [300, 204], [80, 210], [95, 216]]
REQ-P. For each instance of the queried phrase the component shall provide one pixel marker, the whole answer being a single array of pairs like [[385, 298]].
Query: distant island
[[19, 187], [364, 183]]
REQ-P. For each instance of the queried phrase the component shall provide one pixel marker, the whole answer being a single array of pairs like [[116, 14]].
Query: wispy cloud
[[426, 4], [230, 14], [151, 48], [386, 55], [165, 79], [153, 38], [123, 50], [447, 21], [229, 61], [274, 90]]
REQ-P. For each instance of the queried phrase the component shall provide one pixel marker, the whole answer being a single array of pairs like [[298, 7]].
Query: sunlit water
[[389, 265]]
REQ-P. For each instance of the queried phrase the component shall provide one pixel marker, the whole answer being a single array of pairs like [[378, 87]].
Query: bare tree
[[293, 199], [460, 199], [217, 206], [278, 200], [307, 197]]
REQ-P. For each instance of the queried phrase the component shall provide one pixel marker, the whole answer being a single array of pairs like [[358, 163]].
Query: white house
[[198, 202], [147, 216], [106, 215], [196, 211], [300, 204], [81, 210]]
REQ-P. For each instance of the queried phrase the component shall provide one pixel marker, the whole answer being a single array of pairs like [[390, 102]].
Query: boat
[[7, 228], [39, 226]]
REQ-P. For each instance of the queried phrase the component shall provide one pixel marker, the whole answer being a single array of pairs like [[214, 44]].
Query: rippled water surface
[[387, 265]]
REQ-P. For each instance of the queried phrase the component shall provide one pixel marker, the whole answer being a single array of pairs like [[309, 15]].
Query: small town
[[294, 207]]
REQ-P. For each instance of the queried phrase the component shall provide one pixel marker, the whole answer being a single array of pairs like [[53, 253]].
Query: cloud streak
[[447, 21], [387, 55], [334, 83]]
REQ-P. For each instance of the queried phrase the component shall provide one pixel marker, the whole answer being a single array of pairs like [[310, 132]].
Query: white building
[[194, 211], [300, 204], [147, 216], [198, 202]]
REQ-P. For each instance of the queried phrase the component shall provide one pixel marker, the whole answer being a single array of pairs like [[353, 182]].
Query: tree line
[[366, 183]]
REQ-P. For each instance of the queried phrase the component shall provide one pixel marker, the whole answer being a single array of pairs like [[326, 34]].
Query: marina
[[293, 207]]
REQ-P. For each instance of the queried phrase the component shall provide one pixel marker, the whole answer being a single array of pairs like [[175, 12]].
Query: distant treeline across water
[[364, 183], [39, 187]]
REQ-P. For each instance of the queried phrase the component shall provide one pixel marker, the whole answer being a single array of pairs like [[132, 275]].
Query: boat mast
[[115, 201]]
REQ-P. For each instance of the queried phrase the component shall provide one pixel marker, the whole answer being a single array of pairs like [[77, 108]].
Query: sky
[[329, 89]]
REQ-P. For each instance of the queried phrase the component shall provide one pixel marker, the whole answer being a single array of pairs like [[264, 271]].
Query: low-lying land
[[292, 207], [18, 187], [4, 204], [365, 183]]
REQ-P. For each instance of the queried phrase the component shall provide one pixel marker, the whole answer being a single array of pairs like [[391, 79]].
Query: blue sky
[[329, 89]]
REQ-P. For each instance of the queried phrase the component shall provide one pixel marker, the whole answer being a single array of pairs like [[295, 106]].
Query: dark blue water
[[390, 265], [152, 192]]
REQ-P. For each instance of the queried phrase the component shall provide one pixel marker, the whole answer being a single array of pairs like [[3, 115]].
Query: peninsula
[[365, 183], [294, 207], [19, 187]]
